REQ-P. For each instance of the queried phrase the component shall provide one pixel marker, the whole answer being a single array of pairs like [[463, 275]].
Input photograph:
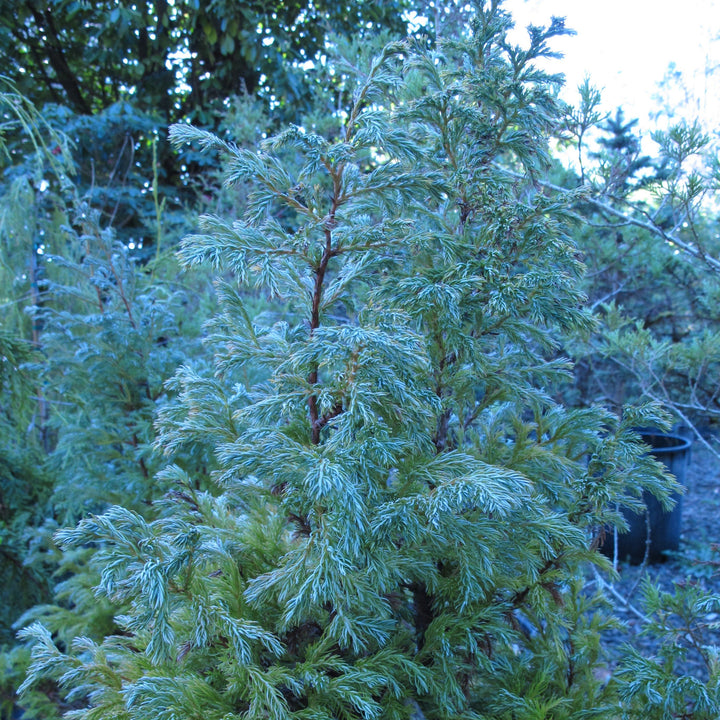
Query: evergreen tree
[[620, 157], [25, 485], [113, 75], [652, 270], [400, 513]]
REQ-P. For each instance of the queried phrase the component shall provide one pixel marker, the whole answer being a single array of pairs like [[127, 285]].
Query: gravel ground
[[697, 562]]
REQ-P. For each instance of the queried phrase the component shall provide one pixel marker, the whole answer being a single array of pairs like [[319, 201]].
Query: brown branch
[[441, 432], [143, 467], [670, 237], [121, 292], [314, 324], [519, 597], [328, 416], [443, 421]]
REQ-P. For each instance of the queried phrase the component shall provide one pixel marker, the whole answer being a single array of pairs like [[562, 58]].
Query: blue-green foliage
[[88, 337], [683, 624], [363, 498], [399, 512]]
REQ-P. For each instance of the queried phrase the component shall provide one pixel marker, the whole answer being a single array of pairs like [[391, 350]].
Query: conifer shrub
[[399, 515]]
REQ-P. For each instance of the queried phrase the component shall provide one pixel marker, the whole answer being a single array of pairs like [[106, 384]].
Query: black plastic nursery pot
[[665, 527]]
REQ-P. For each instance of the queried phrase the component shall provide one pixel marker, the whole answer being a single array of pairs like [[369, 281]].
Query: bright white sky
[[625, 46]]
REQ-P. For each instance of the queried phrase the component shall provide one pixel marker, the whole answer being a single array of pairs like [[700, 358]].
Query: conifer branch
[[585, 193], [519, 596]]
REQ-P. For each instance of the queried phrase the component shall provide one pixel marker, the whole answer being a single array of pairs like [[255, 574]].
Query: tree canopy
[[177, 59]]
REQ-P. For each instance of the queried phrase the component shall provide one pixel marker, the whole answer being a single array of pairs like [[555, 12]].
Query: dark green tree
[[117, 73], [88, 337], [620, 157], [177, 59], [647, 236], [25, 487]]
